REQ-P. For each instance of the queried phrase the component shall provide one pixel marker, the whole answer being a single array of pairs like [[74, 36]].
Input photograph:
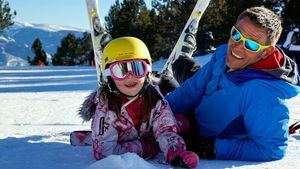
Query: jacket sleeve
[[105, 136], [186, 97], [165, 127], [87, 109], [266, 121]]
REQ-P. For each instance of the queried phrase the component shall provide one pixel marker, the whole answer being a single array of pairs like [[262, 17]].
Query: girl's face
[[129, 75], [131, 85]]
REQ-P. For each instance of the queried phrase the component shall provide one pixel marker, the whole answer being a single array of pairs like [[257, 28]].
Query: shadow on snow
[[45, 79], [31, 152]]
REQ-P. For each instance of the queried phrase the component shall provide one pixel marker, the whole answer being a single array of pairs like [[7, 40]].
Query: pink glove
[[177, 156]]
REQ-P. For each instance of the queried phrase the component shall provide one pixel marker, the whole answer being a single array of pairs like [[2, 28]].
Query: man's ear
[[268, 52]]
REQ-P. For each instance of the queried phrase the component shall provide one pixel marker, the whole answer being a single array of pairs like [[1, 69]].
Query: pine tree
[[132, 18], [6, 16], [161, 26], [40, 57], [66, 52], [171, 18], [167, 26], [290, 12], [221, 15], [84, 49], [74, 50], [129, 18]]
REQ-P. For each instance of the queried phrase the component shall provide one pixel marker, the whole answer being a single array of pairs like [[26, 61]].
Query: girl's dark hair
[[112, 96]]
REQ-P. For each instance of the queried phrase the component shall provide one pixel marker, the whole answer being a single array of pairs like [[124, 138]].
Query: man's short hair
[[266, 19]]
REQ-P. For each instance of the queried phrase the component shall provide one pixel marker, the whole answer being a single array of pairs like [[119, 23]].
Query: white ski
[[99, 36], [186, 44]]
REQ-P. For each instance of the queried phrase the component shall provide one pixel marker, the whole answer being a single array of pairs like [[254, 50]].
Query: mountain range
[[16, 41]]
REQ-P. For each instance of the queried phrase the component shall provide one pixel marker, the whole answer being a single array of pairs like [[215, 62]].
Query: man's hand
[[203, 146]]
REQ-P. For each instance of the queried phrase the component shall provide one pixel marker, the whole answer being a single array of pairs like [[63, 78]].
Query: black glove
[[165, 83], [184, 68], [204, 147]]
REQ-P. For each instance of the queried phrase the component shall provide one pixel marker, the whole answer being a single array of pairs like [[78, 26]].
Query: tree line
[[72, 51], [160, 25]]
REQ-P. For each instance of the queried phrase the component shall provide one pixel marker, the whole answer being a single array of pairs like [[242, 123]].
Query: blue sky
[[59, 12]]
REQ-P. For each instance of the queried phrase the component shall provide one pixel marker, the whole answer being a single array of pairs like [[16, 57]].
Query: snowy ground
[[38, 110]]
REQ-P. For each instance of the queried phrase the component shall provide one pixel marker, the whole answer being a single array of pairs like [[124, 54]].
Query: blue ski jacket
[[244, 110]]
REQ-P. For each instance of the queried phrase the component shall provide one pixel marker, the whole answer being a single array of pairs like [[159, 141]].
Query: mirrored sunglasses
[[248, 44]]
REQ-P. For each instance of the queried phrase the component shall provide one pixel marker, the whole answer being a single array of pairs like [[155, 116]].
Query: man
[[238, 98]]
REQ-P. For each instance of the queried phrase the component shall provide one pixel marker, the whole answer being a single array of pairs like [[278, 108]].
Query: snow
[[4, 39], [47, 27], [38, 110], [294, 47], [126, 161], [288, 42], [10, 60], [16, 41], [202, 60]]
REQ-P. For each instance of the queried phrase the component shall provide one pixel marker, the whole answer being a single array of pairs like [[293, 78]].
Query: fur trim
[[88, 107]]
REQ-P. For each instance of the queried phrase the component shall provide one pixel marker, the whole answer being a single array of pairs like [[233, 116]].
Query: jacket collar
[[277, 66]]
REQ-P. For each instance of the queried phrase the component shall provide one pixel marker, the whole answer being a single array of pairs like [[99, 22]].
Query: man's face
[[237, 56]]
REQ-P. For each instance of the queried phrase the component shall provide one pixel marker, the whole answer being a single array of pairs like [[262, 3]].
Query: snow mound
[[124, 161], [16, 61], [10, 60]]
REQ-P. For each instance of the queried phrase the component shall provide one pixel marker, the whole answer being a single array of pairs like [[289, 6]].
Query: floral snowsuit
[[112, 134]]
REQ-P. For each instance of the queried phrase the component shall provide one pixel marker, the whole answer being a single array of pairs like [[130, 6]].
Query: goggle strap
[[106, 72], [149, 68]]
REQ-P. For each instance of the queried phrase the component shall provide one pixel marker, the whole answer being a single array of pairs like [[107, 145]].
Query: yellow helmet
[[125, 48]]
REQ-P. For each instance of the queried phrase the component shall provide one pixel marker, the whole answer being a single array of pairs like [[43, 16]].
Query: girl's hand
[[182, 158]]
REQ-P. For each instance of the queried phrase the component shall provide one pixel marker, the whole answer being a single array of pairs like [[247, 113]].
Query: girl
[[129, 114]]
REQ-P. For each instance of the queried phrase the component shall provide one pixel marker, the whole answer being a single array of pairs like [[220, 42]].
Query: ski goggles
[[249, 45], [120, 70]]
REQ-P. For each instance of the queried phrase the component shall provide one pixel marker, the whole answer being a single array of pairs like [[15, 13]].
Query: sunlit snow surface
[[38, 110]]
